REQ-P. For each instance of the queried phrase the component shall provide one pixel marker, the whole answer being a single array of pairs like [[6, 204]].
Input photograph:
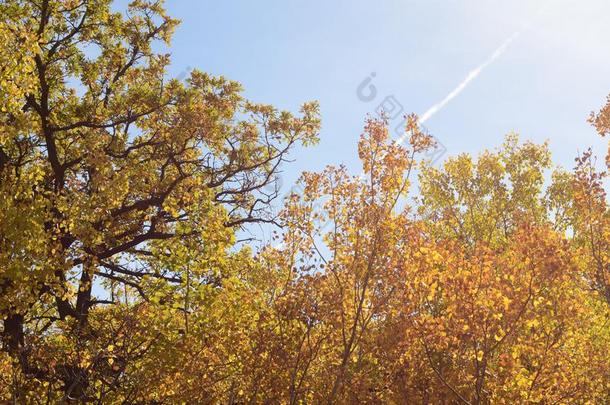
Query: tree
[[472, 294], [591, 214], [601, 122], [506, 312], [108, 167]]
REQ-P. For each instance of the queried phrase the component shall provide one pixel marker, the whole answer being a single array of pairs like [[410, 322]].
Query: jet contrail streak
[[460, 87], [470, 77]]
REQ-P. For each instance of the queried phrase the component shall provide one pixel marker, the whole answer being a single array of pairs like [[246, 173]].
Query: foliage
[[121, 193], [115, 178]]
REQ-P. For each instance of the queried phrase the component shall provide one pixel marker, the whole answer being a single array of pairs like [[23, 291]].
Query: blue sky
[[543, 86]]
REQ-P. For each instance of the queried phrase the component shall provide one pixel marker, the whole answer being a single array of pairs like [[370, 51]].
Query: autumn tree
[[590, 212], [107, 169], [515, 285], [471, 293], [601, 122]]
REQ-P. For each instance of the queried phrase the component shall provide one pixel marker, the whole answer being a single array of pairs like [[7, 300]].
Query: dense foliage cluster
[[122, 280]]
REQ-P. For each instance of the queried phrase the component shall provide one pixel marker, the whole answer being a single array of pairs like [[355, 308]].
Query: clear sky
[[543, 85]]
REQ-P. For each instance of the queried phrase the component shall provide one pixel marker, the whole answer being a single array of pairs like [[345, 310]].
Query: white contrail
[[470, 77], [476, 71], [460, 87]]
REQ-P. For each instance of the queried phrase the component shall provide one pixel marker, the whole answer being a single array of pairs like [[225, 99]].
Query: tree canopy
[[122, 192]]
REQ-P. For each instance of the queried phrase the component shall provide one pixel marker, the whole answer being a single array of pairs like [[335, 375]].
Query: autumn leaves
[[470, 295], [122, 281]]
